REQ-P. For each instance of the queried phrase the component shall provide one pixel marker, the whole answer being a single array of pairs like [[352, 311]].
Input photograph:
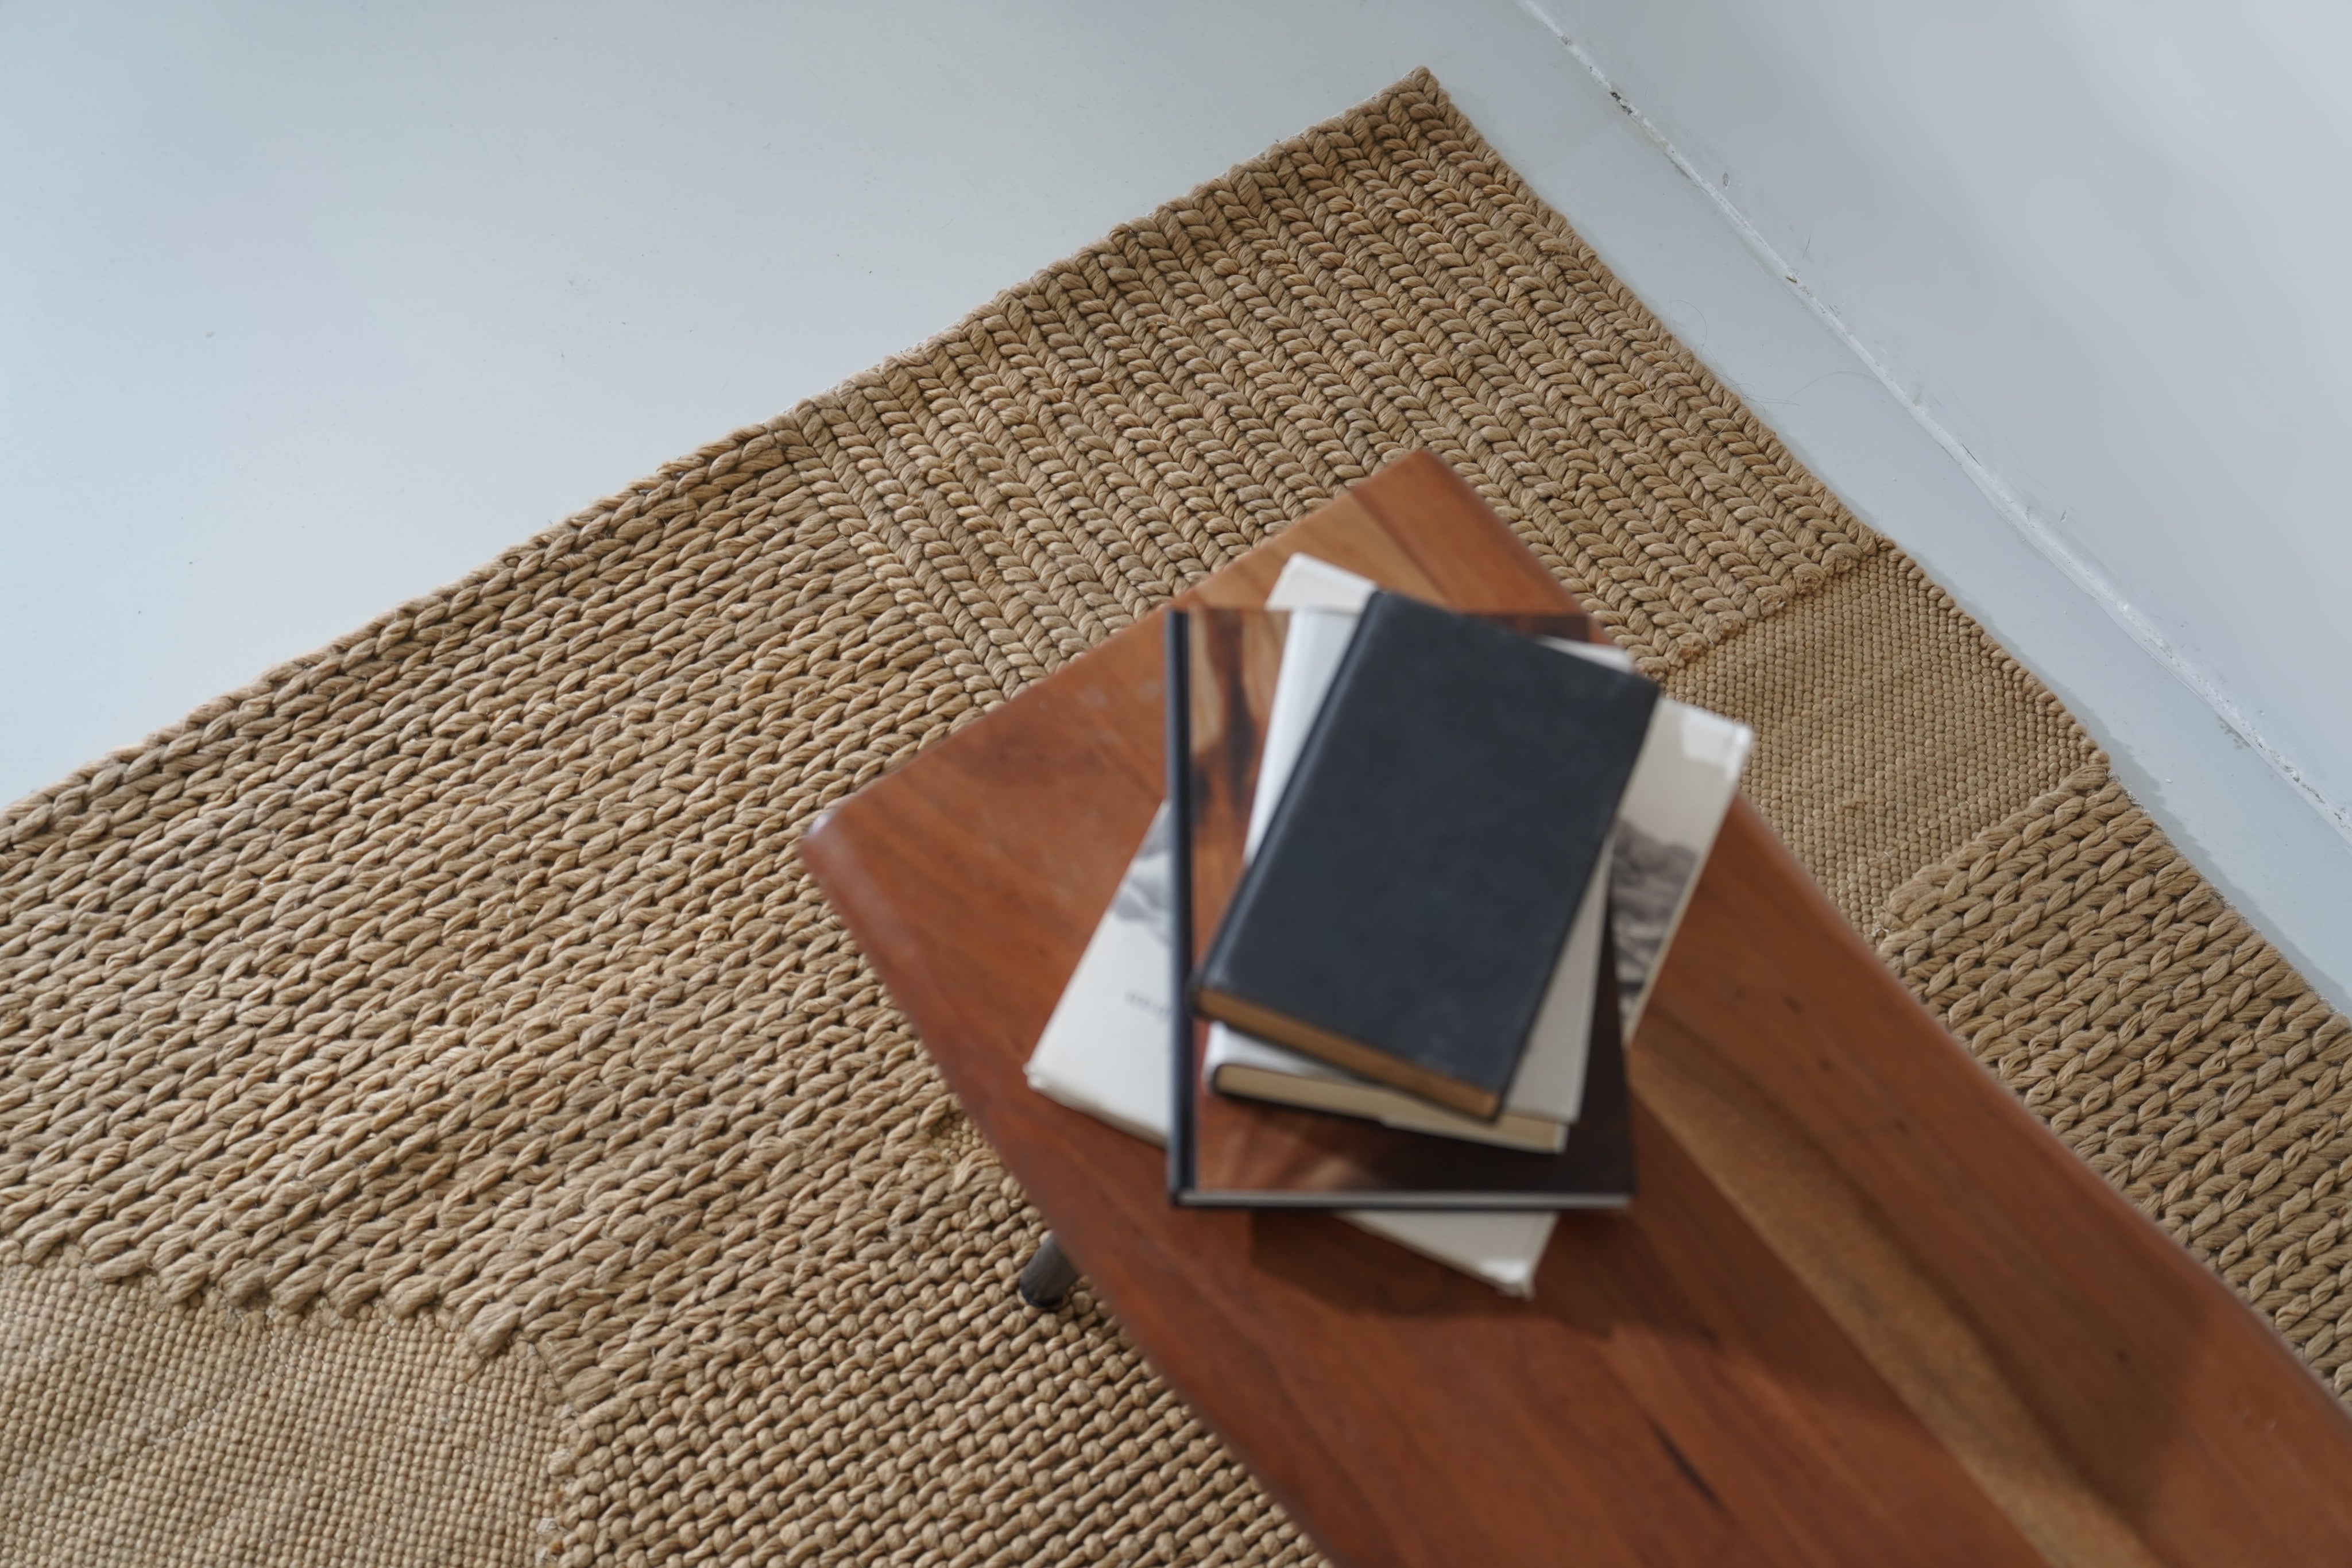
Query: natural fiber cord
[[134, 1433], [444, 1030], [2090, 966], [1888, 727]]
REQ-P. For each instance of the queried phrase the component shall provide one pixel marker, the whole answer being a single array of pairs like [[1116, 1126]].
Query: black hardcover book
[[1403, 914], [1177, 695]]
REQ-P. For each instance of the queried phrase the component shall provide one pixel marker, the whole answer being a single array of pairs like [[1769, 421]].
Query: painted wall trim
[[2014, 509]]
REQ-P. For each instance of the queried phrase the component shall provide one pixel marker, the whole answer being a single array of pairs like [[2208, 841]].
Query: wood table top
[[1866, 1308]]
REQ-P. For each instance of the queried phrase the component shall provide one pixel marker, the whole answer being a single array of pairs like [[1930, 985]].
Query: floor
[[302, 313]]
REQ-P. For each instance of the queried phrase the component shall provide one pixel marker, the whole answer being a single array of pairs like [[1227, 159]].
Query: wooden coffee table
[[1865, 1308]]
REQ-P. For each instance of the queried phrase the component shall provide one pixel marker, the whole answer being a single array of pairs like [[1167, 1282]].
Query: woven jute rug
[[440, 1122]]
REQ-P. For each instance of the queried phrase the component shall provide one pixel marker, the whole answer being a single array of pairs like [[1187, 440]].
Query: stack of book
[[1380, 950]]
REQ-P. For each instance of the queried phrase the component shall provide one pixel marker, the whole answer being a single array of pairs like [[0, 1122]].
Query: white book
[[1105, 1049], [1681, 787], [1105, 1052]]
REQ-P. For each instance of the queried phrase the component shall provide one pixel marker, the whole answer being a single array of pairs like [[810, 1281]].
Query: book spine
[[1177, 686]]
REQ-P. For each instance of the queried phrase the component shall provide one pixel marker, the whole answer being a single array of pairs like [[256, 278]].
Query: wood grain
[[2088, 1369], [1867, 1308]]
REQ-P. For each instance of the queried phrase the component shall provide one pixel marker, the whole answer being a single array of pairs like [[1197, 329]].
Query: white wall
[[303, 311], [307, 311], [2104, 249]]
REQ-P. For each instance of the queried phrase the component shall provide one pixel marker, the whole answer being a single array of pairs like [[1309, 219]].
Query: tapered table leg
[[1046, 1282]]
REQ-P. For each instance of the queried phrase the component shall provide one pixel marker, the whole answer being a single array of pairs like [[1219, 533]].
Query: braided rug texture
[[2088, 964], [1888, 727], [131, 1432], [467, 967], [463, 977]]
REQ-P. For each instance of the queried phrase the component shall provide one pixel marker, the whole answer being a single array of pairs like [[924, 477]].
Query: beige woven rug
[[441, 1125]]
